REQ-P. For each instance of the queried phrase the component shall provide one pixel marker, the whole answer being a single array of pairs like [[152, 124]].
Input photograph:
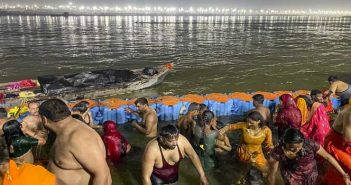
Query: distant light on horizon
[[129, 9]]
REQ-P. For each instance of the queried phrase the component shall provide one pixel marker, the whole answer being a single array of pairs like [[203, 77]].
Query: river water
[[210, 53]]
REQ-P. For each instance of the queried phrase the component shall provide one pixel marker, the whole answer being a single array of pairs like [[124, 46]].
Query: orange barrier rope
[[241, 96], [218, 97], [267, 95], [114, 103], [168, 100], [193, 98]]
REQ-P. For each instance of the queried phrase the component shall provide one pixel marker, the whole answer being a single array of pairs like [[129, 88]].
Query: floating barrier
[[169, 108]]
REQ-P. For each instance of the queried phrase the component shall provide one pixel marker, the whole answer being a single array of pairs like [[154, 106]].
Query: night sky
[[256, 4]]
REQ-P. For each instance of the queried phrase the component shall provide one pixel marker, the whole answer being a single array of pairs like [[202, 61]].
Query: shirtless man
[[78, 153], [32, 124], [339, 88], [259, 107], [338, 144], [163, 155], [149, 125]]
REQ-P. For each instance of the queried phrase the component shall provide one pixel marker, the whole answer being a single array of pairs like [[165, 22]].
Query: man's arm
[[150, 120], [147, 165], [332, 90], [88, 151], [190, 152]]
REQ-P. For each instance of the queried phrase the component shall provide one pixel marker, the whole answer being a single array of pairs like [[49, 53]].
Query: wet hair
[[258, 98], [314, 92], [3, 113], [141, 101], [256, 116], [332, 78], [11, 128], [293, 136], [207, 117], [81, 107], [169, 132], [203, 106], [193, 106], [54, 110]]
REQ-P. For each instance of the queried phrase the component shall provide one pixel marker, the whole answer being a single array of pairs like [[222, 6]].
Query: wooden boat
[[62, 86]]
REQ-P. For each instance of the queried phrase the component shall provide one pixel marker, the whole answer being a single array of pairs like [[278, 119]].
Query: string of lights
[[81, 9]]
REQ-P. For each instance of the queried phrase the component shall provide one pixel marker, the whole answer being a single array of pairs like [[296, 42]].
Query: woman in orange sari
[[25, 174], [254, 135]]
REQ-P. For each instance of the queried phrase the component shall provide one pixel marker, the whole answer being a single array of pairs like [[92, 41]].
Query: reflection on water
[[211, 53]]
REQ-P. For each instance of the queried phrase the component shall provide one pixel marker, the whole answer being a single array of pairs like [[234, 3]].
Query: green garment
[[21, 145], [207, 156]]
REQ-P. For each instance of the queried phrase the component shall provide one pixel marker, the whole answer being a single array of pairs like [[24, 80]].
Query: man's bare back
[[342, 123], [64, 161], [265, 112], [150, 119]]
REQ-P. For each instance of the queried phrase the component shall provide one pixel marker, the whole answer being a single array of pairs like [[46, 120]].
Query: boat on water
[[64, 14], [88, 84]]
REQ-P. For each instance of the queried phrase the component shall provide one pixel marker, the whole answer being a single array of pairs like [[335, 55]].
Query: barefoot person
[[297, 160], [163, 155], [338, 144], [149, 125], [78, 153]]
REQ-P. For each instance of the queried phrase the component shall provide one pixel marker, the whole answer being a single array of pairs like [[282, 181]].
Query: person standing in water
[[78, 153], [186, 124], [297, 160], [339, 88], [257, 101], [254, 135], [20, 146], [149, 125], [162, 156]]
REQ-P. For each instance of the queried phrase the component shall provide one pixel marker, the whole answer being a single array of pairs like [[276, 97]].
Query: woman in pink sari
[[289, 116], [317, 125]]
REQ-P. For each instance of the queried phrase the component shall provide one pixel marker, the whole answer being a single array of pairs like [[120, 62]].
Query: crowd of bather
[[58, 145]]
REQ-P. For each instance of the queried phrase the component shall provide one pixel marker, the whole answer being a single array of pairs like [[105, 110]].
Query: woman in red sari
[[116, 145], [289, 116], [317, 125]]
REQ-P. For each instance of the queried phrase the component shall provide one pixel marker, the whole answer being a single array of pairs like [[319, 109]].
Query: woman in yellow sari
[[304, 104], [254, 135]]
